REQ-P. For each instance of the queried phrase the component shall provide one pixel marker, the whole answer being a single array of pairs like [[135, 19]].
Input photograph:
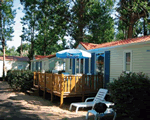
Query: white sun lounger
[[98, 98]]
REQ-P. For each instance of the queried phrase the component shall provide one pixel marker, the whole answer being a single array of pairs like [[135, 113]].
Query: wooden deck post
[[39, 82], [44, 85], [83, 88], [52, 87], [61, 90], [33, 78]]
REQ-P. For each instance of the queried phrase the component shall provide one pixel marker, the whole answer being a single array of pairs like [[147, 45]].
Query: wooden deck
[[67, 86]]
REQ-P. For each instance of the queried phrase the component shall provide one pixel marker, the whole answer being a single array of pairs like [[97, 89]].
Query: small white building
[[110, 59], [47, 63], [14, 63]]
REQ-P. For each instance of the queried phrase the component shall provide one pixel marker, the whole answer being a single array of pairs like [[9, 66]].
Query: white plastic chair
[[96, 114], [98, 98]]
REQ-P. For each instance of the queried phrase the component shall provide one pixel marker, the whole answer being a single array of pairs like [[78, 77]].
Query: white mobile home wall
[[140, 59]]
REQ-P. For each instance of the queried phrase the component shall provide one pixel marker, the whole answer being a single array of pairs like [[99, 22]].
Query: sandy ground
[[20, 106]]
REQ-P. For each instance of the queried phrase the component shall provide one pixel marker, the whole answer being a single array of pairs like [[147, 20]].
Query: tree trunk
[[3, 44], [21, 52], [144, 28], [81, 21], [45, 38], [130, 31], [44, 49]]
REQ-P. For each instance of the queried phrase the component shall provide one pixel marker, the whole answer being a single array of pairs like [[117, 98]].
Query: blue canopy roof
[[73, 53]]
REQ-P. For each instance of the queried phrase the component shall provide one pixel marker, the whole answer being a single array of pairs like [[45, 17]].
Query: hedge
[[20, 80], [131, 95]]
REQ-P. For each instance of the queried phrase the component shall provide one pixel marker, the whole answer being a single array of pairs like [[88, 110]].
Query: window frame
[[124, 60], [21, 67], [70, 64]]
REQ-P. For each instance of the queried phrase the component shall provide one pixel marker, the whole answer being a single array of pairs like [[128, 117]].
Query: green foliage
[[130, 93], [7, 19], [52, 25], [131, 11], [122, 30], [101, 24], [29, 22], [25, 49], [20, 80], [7, 15], [46, 22], [10, 51], [91, 21]]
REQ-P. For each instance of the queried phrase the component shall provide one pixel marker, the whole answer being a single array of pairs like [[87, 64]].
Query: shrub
[[20, 80], [131, 95], [6, 78]]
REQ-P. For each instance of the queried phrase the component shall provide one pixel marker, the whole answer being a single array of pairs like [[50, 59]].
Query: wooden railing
[[68, 86]]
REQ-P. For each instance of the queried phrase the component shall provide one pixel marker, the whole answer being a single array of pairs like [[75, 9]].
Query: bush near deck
[[20, 80], [131, 95]]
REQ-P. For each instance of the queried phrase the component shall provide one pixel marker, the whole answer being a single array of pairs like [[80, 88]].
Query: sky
[[16, 40]]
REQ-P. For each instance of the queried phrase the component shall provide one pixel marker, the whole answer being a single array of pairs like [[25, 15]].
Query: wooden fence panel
[[65, 83], [35, 79], [78, 81], [49, 83], [100, 81], [66, 78], [72, 84], [56, 80], [42, 81]]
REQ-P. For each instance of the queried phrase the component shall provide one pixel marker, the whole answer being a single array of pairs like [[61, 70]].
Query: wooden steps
[[32, 91]]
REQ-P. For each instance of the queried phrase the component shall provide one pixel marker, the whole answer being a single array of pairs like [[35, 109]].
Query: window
[[20, 67], [70, 64], [34, 66], [100, 63], [79, 65], [39, 66], [128, 61]]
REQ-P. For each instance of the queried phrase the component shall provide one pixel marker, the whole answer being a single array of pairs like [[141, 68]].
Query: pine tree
[[6, 21], [130, 11]]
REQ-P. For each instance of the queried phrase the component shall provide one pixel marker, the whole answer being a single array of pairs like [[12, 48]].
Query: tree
[[130, 11], [52, 25], [101, 24], [91, 22], [23, 49], [10, 51], [44, 24], [121, 30], [29, 22], [6, 21], [79, 19]]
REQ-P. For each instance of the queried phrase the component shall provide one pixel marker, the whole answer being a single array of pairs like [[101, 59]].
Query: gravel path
[[19, 106]]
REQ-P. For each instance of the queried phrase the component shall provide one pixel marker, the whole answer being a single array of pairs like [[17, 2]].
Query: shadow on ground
[[9, 111], [18, 106]]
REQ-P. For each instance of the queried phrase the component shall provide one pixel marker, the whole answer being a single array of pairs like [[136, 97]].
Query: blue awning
[[73, 53]]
